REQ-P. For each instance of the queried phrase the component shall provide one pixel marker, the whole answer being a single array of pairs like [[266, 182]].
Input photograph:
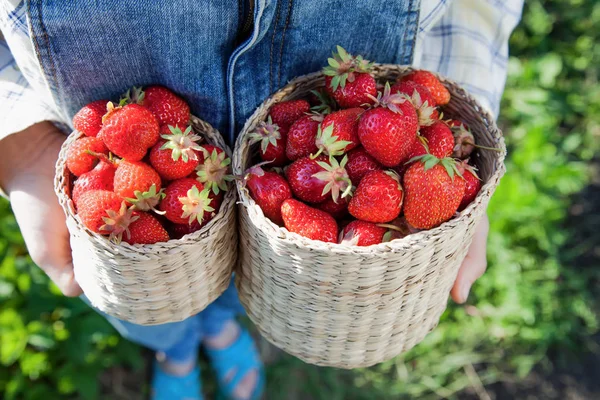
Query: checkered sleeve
[[467, 41]]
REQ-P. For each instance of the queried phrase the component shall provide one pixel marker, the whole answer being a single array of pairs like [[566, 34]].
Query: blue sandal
[[170, 387], [241, 355]]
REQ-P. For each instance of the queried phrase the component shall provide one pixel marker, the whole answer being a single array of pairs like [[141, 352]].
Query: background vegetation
[[535, 311]]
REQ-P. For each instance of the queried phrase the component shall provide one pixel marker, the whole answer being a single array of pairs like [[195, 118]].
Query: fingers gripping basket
[[159, 283], [348, 307]]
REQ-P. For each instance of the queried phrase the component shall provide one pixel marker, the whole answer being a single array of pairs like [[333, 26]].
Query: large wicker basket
[[348, 306], [159, 283]]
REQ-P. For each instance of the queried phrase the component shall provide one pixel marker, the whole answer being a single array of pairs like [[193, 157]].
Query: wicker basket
[[158, 283], [347, 306]]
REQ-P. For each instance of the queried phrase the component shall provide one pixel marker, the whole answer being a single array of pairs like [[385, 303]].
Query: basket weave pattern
[[158, 283], [348, 307]]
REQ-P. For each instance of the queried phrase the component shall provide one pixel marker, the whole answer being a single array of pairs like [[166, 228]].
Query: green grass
[[534, 299]]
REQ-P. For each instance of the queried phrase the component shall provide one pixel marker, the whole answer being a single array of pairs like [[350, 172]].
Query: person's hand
[[27, 165], [474, 264]]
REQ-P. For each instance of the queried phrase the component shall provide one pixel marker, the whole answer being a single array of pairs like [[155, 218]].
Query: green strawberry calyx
[[117, 222], [266, 133], [336, 176], [326, 103], [195, 203], [214, 171], [429, 161], [147, 201], [183, 144], [389, 100], [329, 144], [135, 95], [343, 68]]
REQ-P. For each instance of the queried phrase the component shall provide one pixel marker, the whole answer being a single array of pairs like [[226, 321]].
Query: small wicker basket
[[348, 306], [158, 283]]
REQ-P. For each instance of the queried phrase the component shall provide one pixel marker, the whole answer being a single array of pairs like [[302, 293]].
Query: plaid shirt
[[465, 40]]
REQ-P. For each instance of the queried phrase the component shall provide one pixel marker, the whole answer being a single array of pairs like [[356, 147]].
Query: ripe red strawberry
[[359, 163], [431, 82], [436, 139], [421, 99], [284, 114], [214, 170], [129, 131], [388, 131], [464, 140], [362, 233], [79, 159], [337, 210], [348, 79], [339, 132], [88, 120], [138, 183], [272, 139], [434, 190], [472, 184], [93, 205], [378, 197], [145, 229], [175, 156], [178, 231], [168, 108], [308, 222], [186, 201], [302, 136], [100, 178], [316, 180], [269, 190]]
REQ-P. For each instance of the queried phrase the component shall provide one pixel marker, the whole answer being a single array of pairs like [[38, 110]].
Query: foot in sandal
[[235, 359], [171, 381]]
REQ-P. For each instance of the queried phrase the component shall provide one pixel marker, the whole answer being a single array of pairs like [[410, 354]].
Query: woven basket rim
[[408, 241], [68, 206]]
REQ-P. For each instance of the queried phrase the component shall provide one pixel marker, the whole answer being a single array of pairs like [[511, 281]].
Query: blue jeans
[[180, 341]]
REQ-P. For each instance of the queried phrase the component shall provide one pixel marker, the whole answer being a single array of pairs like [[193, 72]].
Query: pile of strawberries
[[361, 162], [143, 175]]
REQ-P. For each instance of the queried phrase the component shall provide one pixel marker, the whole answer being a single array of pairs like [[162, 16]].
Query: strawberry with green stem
[[174, 156], [136, 176], [434, 190], [168, 108], [388, 130], [214, 170], [186, 200], [272, 139], [83, 154], [432, 83], [348, 79], [301, 138], [421, 99], [316, 180], [338, 133], [93, 206]]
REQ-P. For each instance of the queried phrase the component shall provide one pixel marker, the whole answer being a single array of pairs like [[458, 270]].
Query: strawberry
[[168, 108], [129, 131], [433, 191], [100, 178], [269, 190], [378, 197], [214, 169], [359, 163], [431, 82], [316, 180], [338, 133], [472, 184], [93, 205], [464, 140], [175, 156], [145, 229], [337, 210], [186, 201], [272, 140], [178, 231], [421, 99], [135, 176], [436, 139], [308, 222], [88, 120], [348, 81], [79, 159], [388, 130], [301, 137], [362, 233], [284, 114]]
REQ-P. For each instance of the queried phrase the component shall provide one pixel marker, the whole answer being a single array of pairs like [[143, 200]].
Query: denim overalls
[[223, 56]]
